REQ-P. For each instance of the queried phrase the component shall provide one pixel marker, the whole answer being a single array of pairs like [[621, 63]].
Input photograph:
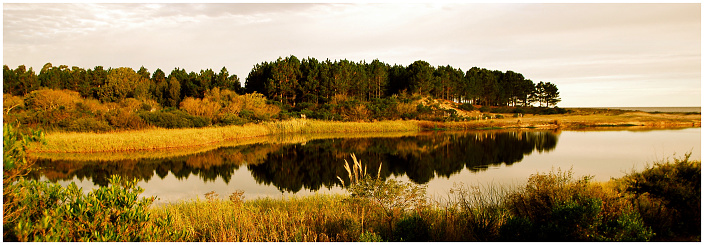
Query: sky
[[598, 55]]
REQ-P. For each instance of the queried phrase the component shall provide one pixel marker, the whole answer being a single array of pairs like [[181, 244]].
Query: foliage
[[15, 145], [173, 119], [49, 99], [40, 211], [329, 90], [113, 213], [668, 196], [291, 81], [15, 166], [412, 228], [555, 207], [390, 197]]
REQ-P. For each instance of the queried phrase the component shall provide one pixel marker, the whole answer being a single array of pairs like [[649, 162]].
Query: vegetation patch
[[661, 203]]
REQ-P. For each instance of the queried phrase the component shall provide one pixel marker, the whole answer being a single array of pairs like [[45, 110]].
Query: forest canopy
[[291, 81]]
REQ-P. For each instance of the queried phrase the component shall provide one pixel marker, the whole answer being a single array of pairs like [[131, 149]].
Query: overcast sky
[[596, 54]]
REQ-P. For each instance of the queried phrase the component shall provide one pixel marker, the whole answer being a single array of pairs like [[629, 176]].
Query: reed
[[301, 219], [158, 138]]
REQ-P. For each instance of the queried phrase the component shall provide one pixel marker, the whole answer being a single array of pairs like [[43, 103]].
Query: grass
[[160, 139], [306, 219]]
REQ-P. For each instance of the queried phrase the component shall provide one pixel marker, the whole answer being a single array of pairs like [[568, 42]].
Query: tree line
[[116, 84], [291, 81], [99, 99]]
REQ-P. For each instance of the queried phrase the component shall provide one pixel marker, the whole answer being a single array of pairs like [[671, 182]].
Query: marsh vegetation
[[661, 203]]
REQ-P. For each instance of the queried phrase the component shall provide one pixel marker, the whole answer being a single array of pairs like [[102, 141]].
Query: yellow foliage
[[358, 113], [10, 101], [49, 99], [200, 107], [406, 108], [94, 106], [130, 104]]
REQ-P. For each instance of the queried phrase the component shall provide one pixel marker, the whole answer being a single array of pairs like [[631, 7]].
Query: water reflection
[[316, 163]]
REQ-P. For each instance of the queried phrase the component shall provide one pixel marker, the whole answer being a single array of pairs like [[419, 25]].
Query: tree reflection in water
[[317, 163]]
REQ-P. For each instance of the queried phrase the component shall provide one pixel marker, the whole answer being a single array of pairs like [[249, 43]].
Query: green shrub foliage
[[113, 213], [668, 196], [555, 207], [42, 211]]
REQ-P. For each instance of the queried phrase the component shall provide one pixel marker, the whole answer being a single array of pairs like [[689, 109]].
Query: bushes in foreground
[[668, 196], [42, 211]]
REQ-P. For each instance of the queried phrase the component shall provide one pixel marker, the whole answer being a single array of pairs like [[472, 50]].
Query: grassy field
[[160, 139]]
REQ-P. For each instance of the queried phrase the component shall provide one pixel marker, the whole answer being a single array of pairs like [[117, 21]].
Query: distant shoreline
[[159, 138], [649, 109]]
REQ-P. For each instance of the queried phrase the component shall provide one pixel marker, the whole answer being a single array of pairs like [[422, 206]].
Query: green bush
[[668, 196], [555, 207], [232, 119], [114, 213], [412, 228], [370, 237], [173, 119], [484, 109], [88, 124]]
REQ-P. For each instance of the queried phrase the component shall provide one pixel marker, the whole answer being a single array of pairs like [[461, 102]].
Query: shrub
[[668, 196], [49, 99], [412, 228], [407, 110], [114, 213], [484, 109], [344, 229], [232, 119], [554, 207], [200, 107], [390, 198], [173, 119], [10, 102], [89, 124], [125, 119], [370, 237]]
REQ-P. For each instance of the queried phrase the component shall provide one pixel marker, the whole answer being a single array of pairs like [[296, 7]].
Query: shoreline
[[167, 139]]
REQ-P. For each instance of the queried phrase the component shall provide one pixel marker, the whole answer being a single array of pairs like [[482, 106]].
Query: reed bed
[[159, 139], [316, 126], [300, 219], [148, 139]]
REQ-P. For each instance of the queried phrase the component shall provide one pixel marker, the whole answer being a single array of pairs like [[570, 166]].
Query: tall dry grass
[[302, 219], [159, 138]]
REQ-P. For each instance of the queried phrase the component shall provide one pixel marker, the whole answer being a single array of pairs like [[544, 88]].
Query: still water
[[306, 164]]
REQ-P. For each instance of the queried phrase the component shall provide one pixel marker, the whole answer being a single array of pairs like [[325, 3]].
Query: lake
[[281, 166]]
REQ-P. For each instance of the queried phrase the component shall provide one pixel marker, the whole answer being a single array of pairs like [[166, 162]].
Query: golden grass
[[149, 139], [159, 139], [303, 219]]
